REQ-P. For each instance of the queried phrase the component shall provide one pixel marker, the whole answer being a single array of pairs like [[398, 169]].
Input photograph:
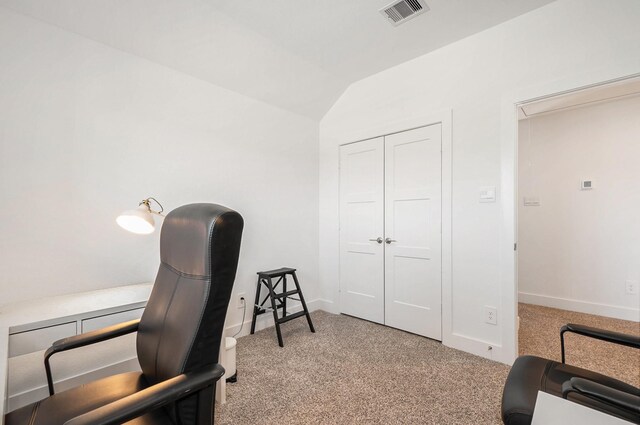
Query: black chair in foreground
[[531, 374], [178, 336]]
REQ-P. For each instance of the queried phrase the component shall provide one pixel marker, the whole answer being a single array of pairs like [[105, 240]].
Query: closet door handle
[[389, 240], [379, 240]]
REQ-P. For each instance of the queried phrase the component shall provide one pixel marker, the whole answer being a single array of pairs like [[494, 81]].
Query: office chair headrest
[[188, 238]]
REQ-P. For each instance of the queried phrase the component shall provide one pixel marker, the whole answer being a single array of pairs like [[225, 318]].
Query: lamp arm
[[148, 204]]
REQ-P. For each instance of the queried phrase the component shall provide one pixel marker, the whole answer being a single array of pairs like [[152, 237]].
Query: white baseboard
[[616, 312], [476, 346], [266, 320], [26, 397], [327, 305]]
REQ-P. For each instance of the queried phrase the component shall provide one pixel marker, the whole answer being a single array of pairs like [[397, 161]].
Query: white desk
[[55, 312], [552, 410], [32, 326]]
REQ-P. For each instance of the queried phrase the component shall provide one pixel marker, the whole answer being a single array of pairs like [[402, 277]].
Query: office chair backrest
[[182, 325]]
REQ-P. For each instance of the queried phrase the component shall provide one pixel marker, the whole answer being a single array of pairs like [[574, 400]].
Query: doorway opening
[[578, 225]]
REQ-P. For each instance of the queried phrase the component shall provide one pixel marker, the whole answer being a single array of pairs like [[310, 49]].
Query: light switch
[[488, 194]]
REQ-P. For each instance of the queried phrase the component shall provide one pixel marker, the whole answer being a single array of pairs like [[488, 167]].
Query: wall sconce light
[[140, 220]]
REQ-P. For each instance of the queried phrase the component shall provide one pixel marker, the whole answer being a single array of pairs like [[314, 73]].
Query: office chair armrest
[[151, 398], [601, 334], [603, 393], [82, 340]]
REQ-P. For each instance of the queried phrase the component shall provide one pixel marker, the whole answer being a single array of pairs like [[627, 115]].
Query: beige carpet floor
[[355, 372]]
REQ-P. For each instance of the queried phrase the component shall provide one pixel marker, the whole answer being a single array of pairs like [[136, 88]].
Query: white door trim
[[509, 186], [445, 118]]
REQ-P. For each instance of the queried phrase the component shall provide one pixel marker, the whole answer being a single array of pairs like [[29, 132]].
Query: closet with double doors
[[390, 230]]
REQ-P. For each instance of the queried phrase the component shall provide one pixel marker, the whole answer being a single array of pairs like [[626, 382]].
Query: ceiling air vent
[[401, 11]]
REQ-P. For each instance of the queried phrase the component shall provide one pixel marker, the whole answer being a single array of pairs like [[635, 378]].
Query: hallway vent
[[401, 11]]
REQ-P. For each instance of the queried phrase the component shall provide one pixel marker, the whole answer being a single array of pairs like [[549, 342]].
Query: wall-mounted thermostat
[[586, 185]]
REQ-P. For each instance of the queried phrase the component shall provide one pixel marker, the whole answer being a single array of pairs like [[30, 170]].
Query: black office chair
[[178, 335], [531, 374]]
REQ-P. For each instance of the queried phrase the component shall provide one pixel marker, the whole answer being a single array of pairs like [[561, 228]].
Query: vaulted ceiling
[[299, 55]]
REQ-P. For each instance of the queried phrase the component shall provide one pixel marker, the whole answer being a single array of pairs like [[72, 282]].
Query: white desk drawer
[[100, 322], [39, 339]]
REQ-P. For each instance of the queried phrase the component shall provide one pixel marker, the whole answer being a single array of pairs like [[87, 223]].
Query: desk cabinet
[[39, 339], [100, 322]]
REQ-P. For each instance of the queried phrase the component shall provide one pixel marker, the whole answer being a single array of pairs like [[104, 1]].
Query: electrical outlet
[[490, 315], [241, 298], [631, 287]]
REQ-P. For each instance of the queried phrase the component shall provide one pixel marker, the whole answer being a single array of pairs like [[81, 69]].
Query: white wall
[[88, 131], [567, 44], [579, 248]]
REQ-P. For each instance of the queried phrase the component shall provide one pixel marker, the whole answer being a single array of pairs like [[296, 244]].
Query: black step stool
[[278, 300]]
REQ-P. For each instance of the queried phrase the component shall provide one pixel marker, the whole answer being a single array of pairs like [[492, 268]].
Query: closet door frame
[[443, 117]]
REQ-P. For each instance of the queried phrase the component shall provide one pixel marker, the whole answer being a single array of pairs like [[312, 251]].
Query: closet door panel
[[413, 187], [361, 223]]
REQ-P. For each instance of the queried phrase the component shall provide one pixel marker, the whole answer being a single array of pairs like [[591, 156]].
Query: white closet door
[[413, 188], [361, 223]]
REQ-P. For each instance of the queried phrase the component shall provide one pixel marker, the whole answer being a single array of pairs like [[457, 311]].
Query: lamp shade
[[138, 221]]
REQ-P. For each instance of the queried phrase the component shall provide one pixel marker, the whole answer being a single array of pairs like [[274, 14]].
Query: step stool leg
[[255, 307], [284, 291], [304, 305], [275, 311]]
